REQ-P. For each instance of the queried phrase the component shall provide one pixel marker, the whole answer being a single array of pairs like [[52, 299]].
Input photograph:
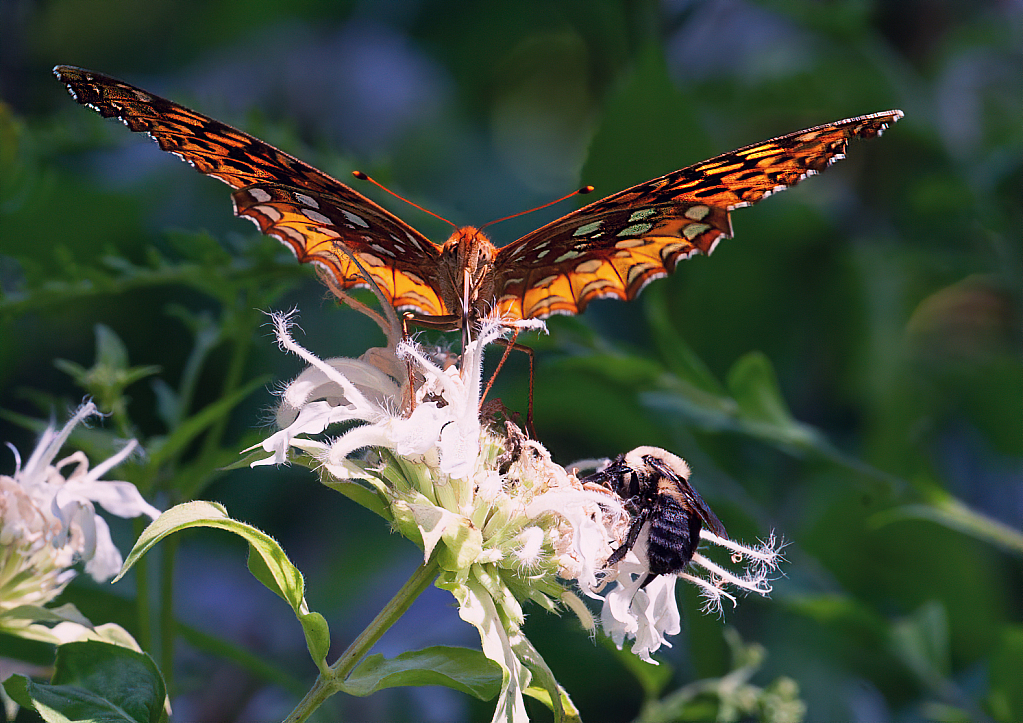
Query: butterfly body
[[609, 249], [466, 273]]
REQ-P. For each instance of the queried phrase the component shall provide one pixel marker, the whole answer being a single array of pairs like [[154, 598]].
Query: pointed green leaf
[[267, 562], [463, 669], [762, 408]]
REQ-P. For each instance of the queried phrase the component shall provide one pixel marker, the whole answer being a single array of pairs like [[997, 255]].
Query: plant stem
[[168, 624], [142, 592], [332, 681]]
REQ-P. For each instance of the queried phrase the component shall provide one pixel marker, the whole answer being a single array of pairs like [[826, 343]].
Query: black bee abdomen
[[674, 537]]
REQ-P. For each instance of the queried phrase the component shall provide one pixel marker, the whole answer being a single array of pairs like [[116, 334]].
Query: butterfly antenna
[[580, 192], [363, 177]]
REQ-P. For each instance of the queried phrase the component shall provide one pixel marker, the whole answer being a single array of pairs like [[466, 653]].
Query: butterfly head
[[467, 271]]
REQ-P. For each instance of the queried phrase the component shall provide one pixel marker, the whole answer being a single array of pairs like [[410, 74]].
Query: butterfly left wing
[[319, 229], [319, 218], [614, 247]]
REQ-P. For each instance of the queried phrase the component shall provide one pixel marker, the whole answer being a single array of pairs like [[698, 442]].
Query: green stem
[[145, 631], [242, 333], [168, 624], [332, 681]]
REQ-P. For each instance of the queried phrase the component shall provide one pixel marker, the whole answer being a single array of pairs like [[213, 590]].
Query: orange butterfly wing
[[319, 218], [614, 247], [313, 225]]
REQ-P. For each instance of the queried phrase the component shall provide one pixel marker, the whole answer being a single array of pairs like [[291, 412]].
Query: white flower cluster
[[48, 522], [505, 522]]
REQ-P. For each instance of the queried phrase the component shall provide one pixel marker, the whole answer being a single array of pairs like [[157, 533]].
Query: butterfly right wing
[[316, 216], [617, 245]]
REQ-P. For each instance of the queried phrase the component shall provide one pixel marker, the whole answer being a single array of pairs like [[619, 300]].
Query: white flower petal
[[105, 562]]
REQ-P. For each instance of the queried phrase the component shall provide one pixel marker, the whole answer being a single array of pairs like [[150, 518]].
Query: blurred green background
[[881, 302]]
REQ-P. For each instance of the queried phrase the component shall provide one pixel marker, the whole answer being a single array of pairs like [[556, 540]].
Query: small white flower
[[48, 520]]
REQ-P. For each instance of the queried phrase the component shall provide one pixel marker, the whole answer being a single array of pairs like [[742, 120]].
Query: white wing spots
[[638, 270], [635, 229], [269, 211], [315, 216], [382, 249], [697, 213], [356, 219], [570, 254], [142, 95], [630, 243], [258, 194], [543, 253], [289, 236], [544, 304], [587, 228], [327, 231], [589, 267], [598, 288], [322, 266], [414, 278], [415, 301], [508, 297], [642, 214], [671, 249], [621, 255], [306, 200], [546, 281], [370, 259], [694, 229], [414, 241]]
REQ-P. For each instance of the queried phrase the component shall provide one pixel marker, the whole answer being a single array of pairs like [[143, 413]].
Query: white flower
[[500, 518], [48, 521], [647, 614]]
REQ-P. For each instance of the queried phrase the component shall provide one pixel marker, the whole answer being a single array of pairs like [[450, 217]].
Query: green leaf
[[952, 513], [543, 686], [676, 353], [754, 385], [462, 669], [1005, 700], [267, 562], [921, 640], [95, 681]]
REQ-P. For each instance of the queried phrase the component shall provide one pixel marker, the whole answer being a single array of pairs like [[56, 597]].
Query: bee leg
[[629, 543]]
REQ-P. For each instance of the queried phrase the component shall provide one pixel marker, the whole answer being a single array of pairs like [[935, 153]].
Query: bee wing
[[691, 496]]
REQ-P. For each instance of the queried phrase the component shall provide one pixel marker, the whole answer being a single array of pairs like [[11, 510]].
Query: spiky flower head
[[49, 524], [502, 520]]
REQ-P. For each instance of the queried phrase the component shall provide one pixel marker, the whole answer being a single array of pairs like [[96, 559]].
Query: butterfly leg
[[409, 403], [500, 364], [510, 344], [466, 288]]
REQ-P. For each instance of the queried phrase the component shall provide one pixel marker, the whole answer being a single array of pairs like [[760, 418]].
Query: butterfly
[[610, 248]]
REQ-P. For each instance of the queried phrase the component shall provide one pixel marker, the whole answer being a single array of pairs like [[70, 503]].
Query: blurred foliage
[[845, 371]]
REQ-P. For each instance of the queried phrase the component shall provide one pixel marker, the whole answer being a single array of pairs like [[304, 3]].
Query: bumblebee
[[654, 486]]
